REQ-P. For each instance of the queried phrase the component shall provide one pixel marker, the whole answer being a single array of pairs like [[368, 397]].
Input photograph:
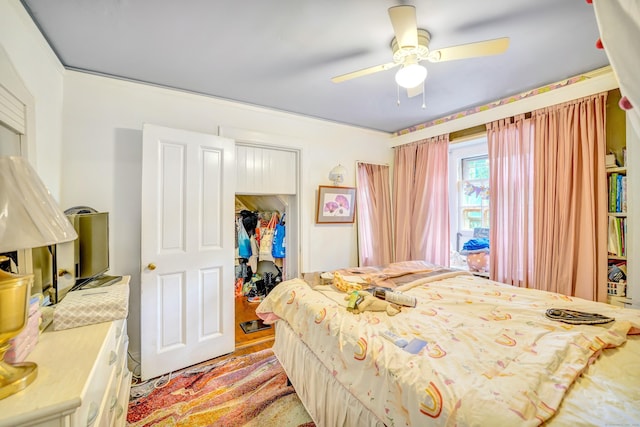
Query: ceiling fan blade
[[414, 91], [470, 50], [405, 27], [364, 72]]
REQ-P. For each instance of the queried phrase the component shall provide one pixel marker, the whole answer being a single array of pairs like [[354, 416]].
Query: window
[[469, 194], [473, 199]]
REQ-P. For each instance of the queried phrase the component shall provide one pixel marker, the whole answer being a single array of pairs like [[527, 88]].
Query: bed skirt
[[326, 400]]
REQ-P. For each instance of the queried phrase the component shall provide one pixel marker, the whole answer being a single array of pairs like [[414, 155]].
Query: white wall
[[101, 166], [42, 75]]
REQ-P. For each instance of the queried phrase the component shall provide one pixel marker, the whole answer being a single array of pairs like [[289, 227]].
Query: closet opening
[[261, 219]]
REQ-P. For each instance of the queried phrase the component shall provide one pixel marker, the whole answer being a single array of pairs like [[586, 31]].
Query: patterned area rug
[[249, 390]]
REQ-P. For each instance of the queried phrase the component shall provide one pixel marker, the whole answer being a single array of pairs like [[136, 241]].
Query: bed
[[489, 354]]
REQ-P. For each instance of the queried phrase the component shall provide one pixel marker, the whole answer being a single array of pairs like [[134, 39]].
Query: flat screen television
[[92, 248], [93, 232], [84, 261]]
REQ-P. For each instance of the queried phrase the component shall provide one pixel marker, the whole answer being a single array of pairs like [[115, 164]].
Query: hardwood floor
[[248, 343], [246, 311]]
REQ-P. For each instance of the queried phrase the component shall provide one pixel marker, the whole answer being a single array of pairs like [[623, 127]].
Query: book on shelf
[[617, 270], [617, 231], [613, 177], [617, 193], [623, 189]]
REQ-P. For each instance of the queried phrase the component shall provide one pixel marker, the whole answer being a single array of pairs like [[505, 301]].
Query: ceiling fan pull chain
[[398, 93], [423, 104]]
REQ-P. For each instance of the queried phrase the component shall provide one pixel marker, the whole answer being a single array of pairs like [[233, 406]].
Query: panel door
[[187, 300]]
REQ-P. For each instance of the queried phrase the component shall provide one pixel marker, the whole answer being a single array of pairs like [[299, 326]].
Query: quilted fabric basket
[[89, 306]]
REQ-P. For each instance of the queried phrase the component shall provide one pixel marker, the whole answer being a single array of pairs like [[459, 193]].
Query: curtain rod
[[372, 163]]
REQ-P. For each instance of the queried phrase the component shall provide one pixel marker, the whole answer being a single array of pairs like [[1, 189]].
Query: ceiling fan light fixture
[[411, 75]]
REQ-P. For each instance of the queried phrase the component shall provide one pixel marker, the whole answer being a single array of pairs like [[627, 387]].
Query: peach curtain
[[510, 144], [570, 198], [421, 209], [374, 214]]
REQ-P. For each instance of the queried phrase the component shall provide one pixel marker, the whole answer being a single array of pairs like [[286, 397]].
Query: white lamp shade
[[337, 174], [411, 75], [29, 216]]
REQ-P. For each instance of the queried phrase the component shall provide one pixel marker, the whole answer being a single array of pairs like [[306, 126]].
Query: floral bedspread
[[483, 353]]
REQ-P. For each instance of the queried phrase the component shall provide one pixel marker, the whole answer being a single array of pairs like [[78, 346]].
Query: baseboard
[[133, 362]]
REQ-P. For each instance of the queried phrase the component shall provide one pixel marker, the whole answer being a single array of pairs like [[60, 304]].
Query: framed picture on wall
[[335, 205]]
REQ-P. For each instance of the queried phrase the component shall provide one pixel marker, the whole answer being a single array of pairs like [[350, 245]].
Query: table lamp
[[29, 218]]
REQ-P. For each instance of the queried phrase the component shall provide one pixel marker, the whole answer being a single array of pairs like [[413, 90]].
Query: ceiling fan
[[410, 46]]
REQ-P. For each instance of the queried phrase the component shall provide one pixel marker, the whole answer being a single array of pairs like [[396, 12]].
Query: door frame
[[249, 138], [24, 127]]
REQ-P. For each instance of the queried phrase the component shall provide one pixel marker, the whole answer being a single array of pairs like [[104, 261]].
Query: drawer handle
[[93, 414], [112, 357]]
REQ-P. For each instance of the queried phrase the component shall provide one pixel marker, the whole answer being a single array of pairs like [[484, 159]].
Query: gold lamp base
[[16, 377], [14, 307]]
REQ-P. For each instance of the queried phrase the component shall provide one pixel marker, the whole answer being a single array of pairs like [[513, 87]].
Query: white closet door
[[261, 170]]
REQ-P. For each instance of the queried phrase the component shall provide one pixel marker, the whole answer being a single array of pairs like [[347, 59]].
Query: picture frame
[[336, 205]]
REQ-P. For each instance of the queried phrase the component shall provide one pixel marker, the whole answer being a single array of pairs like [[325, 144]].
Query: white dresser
[[83, 380]]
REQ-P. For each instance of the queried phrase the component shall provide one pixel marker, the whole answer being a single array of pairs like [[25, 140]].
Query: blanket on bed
[[483, 353], [395, 275]]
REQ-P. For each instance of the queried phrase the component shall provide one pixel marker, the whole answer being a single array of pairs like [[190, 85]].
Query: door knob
[[64, 273], [151, 266]]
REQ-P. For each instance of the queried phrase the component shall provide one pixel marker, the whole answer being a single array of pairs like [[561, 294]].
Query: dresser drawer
[[121, 372], [120, 413], [93, 409]]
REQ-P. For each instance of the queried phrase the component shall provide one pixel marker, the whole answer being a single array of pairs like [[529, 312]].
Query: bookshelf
[[617, 233]]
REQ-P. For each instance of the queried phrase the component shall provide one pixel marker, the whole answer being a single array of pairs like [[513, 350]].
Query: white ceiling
[[281, 54]]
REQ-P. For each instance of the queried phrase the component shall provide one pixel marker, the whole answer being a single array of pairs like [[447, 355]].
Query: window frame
[[477, 147]]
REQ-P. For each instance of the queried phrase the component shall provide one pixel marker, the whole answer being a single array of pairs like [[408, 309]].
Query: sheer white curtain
[[421, 209], [374, 214]]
